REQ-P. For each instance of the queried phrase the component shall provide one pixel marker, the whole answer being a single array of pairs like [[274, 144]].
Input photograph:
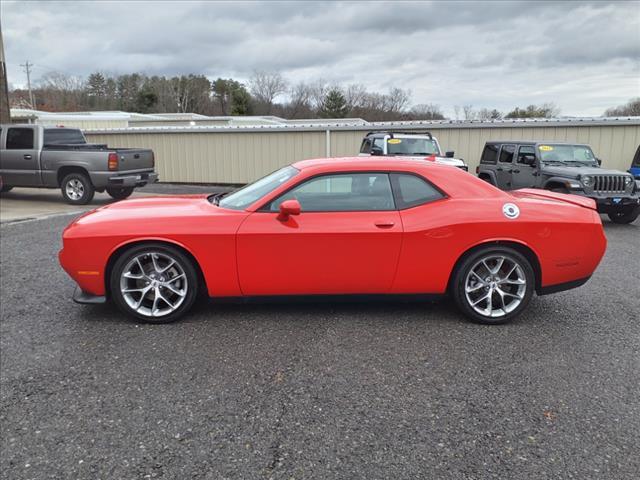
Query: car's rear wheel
[[155, 283], [625, 216], [119, 193], [77, 189], [493, 285]]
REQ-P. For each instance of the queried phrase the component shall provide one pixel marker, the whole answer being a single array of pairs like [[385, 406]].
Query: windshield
[[412, 146], [567, 154], [241, 199]]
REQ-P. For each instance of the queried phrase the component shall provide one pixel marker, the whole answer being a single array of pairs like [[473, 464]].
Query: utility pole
[[5, 113], [27, 68]]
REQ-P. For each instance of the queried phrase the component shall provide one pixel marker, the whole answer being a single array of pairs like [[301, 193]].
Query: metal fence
[[241, 154]]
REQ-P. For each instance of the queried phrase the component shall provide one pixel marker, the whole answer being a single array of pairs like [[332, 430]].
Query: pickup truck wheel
[[493, 285], [77, 189], [625, 216], [119, 193]]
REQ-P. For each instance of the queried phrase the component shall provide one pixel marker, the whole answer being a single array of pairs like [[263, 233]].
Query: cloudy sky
[[583, 56]]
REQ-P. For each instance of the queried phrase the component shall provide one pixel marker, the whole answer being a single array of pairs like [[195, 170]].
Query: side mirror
[[530, 160], [450, 154], [599, 161], [377, 151], [288, 208]]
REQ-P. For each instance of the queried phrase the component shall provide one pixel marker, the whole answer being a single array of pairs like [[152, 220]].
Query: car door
[[505, 166], [346, 239], [524, 171], [19, 162]]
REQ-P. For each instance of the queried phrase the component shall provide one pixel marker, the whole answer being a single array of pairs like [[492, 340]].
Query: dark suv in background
[[561, 167]]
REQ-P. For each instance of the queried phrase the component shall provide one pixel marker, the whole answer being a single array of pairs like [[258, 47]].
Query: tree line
[[265, 93]]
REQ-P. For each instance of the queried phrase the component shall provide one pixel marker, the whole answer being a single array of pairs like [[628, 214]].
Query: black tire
[[624, 217], [119, 193], [183, 262], [463, 271], [6, 188], [77, 189]]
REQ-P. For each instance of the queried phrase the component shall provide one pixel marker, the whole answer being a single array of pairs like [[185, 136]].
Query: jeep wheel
[[119, 193], [77, 189], [625, 216]]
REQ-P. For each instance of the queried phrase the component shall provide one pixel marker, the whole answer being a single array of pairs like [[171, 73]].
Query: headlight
[[587, 180], [628, 181]]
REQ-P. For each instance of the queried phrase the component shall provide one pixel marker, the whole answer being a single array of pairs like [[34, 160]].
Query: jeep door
[[505, 166], [19, 159], [525, 169]]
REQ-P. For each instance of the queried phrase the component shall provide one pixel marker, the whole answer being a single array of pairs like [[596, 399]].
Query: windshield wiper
[[215, 198]]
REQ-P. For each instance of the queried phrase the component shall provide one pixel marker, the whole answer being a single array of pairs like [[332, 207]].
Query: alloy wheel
[[153, 284], [74, 189], [495, 286]]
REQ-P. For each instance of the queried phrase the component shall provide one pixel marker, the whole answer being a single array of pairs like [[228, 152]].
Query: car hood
[[151, 210], [575, 172]]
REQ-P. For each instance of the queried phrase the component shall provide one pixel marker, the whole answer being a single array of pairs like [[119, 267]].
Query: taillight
[[113, 161]]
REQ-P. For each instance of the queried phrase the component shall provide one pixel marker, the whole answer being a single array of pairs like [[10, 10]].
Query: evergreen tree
[[334, 105]]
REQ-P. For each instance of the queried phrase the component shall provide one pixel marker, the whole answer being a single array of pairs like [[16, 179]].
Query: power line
[[27, 68]]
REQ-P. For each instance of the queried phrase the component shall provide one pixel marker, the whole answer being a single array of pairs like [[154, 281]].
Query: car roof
[[364, 163], [530, 142]]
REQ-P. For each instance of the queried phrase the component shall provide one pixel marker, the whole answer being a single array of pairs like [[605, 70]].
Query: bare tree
[[630, 109], [468, 112], [300, 101], [266, 86], [486, 114], [426, 111]]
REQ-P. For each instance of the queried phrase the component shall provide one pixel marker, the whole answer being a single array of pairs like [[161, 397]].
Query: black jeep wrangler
[[561, 167]]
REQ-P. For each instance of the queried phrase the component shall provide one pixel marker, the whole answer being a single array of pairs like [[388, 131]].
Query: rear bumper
[[561, 287], [123, 179]]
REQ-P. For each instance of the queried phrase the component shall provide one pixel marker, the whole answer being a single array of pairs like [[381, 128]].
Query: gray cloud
[[584, 56]]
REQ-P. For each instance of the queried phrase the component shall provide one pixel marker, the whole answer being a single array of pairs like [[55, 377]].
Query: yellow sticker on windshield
[[545, 148], [394, 141]]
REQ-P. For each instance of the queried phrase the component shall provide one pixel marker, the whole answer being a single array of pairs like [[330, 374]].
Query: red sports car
[[337, 227]]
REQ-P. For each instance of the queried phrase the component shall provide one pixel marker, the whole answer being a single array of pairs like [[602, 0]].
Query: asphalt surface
[[386, 390]]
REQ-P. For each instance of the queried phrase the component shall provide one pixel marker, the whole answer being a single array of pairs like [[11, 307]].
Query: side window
[[379, 143], [349, 192], [366, 146], [20, 139], [506, 154], [489, 154], [412, 190], [526, 155]]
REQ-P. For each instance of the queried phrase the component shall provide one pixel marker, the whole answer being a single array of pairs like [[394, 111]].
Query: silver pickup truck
[[59, 157]]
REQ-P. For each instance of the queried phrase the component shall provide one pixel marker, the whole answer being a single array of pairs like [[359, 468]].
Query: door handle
[[384, 224], [27, 157]]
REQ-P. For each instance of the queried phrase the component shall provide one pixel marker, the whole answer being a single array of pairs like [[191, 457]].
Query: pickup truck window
[[63, 136], [506, 154], [490, 154], [20, 139]]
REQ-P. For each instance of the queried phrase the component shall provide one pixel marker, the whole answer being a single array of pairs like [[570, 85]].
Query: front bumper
[[615, 204], [80, 296]]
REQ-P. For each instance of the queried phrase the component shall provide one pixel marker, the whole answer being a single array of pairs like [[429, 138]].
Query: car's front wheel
[[155, 283], [625, 216], [493, 285]]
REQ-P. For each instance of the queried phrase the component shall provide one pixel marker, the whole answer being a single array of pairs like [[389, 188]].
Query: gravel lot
[[353, 390]]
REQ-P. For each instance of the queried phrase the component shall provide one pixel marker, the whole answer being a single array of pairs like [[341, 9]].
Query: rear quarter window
[[412, 190], [490, 154]]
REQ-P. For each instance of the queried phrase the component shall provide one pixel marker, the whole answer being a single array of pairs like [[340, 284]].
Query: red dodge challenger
[[338, 227]]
